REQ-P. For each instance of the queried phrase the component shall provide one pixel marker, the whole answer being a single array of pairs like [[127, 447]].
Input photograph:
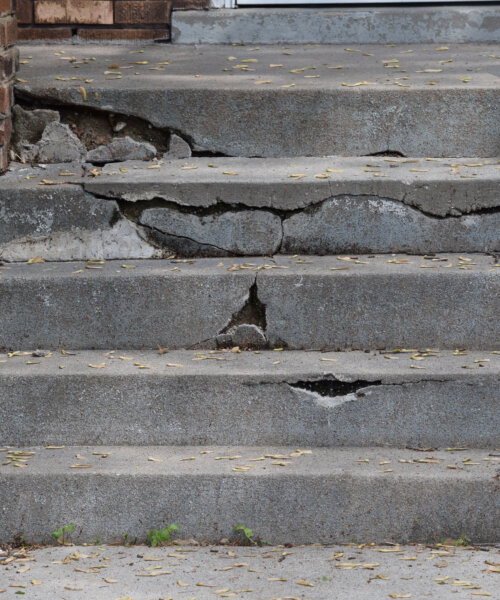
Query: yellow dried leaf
[[83, 92], [304, 583], [99, 366], [35, 260], [358, 83]]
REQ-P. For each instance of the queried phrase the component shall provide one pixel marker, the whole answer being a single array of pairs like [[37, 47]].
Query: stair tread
[[210, 461], [261, 366], [265, 266]]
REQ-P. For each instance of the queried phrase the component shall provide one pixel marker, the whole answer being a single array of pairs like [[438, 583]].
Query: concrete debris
[[58, 145], [29, 125], [121, 149], [120, 126], [178, 148], [248, 335]]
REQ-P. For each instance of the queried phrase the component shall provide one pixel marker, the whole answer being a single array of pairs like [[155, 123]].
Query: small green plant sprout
[[59, 534], [463, 540], [161, 536], [244, 535]]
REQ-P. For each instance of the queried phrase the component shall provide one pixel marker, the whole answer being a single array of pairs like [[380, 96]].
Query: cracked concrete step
[[294, 398], [314, 303], [346, 25], [370, 204], [409, 99], [326, 496]]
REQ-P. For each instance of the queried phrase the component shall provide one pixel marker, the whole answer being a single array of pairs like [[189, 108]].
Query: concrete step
[[294, 398], [313, 303], [346, 25], [366, 573], [337, 205], [326, 496], [418, 100]]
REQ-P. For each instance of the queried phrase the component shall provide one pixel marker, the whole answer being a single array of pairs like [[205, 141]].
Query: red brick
[[123, 34], [6, 6], [190, 4], [5, 131], [85, 12], [134, 12], [8, 31], [9, 62], [32, 33], [24, 11], [4, 158], [6, 98]]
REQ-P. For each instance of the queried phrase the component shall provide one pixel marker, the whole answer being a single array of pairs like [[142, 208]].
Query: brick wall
[[9, 61], [93, 19]]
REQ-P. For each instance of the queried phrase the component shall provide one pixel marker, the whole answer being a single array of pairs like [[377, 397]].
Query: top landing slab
[[345, 25]]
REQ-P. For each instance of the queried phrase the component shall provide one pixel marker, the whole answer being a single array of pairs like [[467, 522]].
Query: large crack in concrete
[[245, 328], [165, 220]]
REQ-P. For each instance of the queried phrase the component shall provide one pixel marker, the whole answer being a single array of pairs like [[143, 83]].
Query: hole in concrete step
[[330, 388]]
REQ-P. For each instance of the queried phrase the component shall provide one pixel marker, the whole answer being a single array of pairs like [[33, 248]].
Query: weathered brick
[[123, 34], [5, 131], [24, 11], [33, 33], [6, 6], [8, 31], [133, 12], [6, 98], [4, 158], [89, 12], [9, 62]]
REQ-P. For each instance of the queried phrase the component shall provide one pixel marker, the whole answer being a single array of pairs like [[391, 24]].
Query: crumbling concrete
[[308, 106], [58, 144], [28, 127], [120, 149], [219, 233]]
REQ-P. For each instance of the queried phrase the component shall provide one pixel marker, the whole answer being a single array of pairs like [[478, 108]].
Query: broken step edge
[[326, 399], [411, 302]]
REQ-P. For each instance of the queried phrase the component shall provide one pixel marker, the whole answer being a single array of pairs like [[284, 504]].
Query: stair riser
[[166, 410], [330, 25], [95, 228], [316, 122], [307, 306], [282, 508], [381, 311]]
